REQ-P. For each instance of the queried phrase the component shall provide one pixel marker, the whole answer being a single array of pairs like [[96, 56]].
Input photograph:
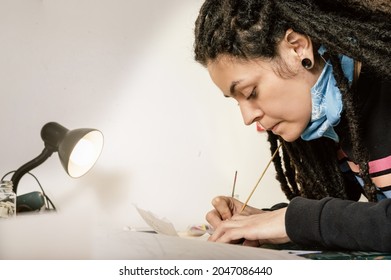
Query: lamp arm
[[21, 171]]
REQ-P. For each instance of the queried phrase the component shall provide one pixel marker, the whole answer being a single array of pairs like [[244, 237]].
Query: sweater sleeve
[[340, 224]]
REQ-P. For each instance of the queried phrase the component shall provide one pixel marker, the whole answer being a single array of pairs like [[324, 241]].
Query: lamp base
[[32, 201]]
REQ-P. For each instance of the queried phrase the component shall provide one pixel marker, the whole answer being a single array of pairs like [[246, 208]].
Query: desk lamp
[[78, 150]]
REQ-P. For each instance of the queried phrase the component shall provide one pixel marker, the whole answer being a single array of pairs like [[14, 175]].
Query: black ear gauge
[[307, 63]]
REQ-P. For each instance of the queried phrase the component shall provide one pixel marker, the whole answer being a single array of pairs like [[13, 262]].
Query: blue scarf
[[327, 101]]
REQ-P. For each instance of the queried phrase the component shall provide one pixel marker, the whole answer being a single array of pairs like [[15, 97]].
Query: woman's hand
[[225, 207], [254, 226]]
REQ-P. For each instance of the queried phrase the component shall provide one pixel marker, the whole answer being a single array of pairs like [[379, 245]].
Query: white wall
[[172, 142]]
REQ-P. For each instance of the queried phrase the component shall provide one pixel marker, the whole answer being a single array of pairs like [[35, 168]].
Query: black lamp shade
[[79, 150]]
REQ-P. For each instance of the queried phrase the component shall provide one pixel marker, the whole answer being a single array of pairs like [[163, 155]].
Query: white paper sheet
[[160, 225]]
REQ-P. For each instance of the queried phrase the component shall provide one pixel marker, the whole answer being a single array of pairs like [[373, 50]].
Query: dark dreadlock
[[249, 29]]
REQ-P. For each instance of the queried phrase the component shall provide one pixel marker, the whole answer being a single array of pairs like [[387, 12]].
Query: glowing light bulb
[[85, 154]]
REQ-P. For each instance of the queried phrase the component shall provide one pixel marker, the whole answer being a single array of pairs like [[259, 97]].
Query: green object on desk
[[347, 255], [323, 254], [32, 201]]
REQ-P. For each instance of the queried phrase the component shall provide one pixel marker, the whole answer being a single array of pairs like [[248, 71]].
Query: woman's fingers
[[267, 227], [224, 206], [225, 232], [214, 218]]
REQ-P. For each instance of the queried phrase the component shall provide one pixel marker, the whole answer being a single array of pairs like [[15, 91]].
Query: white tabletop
[[55, 236]]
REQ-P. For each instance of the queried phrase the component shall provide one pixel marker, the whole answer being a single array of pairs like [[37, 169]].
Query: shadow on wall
[[102, 189]]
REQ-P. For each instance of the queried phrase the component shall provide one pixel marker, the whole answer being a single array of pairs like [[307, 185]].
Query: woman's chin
[[288, 137]]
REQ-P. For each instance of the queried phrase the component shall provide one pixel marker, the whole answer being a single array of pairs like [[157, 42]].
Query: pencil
[[260, 178], [234, 184]]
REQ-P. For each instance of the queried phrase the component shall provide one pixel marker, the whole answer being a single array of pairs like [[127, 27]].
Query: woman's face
[[279, 104]]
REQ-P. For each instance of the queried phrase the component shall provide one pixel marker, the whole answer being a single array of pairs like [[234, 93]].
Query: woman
[[316, 76]]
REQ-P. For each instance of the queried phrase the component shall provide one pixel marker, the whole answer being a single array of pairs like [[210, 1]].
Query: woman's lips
[[272, 128]]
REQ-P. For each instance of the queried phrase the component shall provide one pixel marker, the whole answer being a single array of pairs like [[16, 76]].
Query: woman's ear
[[300, 45]]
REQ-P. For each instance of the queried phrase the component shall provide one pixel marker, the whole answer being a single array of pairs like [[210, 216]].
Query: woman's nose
[[250, 113]]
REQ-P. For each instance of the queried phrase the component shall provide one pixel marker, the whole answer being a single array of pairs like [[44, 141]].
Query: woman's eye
[[253, 94]]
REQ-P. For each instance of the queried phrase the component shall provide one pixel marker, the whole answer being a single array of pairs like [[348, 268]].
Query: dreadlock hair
[[360, 29]]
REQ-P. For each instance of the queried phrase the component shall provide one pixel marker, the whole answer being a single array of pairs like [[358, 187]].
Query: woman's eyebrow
[[232, 89]]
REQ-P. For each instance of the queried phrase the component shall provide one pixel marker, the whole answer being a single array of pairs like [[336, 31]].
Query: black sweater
[[347, 224]]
